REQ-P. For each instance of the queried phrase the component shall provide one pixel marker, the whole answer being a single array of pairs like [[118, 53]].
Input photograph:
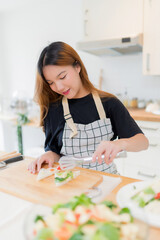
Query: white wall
[[122, 72], [28, 29]]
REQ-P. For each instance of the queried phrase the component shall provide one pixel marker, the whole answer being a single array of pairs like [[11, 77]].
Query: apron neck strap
[[99, 105], [69, 119]]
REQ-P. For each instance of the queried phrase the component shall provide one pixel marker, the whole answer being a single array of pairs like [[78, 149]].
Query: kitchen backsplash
[[124, 73]]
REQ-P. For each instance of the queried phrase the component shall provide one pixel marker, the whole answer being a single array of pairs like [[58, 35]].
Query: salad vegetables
[[81, 219], [149, 197]]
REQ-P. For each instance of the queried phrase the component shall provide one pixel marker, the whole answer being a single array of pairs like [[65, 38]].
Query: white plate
[[28, 224], [124, 200]]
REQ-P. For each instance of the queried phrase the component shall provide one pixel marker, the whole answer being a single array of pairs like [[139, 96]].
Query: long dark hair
[[61, 54]]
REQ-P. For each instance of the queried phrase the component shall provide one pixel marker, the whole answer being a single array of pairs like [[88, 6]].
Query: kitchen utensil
[[9, 156], [67, 162], [3, 164]]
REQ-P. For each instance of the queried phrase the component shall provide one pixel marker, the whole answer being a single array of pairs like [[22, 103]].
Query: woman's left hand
[[109, 149]]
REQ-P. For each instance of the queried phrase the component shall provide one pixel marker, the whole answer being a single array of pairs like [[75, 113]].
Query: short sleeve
[[53, 131], [123, 125]]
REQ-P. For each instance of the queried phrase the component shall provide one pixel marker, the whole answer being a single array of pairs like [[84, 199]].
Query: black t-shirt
[[84, 111]]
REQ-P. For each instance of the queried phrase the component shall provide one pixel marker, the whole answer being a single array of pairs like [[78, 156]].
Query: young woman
[[78, 119]]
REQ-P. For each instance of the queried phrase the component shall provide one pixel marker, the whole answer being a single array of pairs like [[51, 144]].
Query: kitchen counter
[[136, 113], [142, 115], [154, 233], [34, 122]]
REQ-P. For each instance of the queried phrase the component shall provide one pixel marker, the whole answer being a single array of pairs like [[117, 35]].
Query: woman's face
[[65, 80]]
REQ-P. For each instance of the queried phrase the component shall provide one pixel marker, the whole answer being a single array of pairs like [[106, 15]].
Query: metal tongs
[[69, 162]]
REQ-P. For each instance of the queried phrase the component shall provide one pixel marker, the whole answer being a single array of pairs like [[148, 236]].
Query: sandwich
[[45, 172], [62, 177]]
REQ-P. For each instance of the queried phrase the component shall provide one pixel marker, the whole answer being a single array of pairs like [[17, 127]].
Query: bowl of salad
[[81, 219]]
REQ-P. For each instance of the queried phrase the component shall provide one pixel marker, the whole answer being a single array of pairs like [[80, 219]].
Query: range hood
[[115, 46]]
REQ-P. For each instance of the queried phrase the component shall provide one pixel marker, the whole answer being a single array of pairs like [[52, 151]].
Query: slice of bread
[[45, 172]]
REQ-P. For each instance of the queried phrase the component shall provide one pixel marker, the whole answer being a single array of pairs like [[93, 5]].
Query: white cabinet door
[[140, 165], [151, 48], [142, 173], [145, 164], [151, 131], [111, 19]]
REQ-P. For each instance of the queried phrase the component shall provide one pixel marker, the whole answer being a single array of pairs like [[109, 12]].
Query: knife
[[3, 164]]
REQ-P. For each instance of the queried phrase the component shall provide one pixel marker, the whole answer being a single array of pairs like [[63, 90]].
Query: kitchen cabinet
[[145, 164], [112, 19], [127, 21], [151, 34]]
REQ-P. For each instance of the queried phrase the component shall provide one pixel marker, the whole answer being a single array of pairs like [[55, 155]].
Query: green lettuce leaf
[[109, 204], [107, 231], [75, 201], [149, 190], [44, 234]]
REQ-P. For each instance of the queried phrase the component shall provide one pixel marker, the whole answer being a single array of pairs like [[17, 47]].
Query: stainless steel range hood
[[115, 46]]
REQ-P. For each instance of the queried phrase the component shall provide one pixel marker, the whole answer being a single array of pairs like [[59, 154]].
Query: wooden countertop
[[142, 115]]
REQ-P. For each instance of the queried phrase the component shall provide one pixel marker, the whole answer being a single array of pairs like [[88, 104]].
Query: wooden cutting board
[[18, 181]]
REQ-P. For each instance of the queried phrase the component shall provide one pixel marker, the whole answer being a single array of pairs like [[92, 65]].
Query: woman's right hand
[[48, 157]]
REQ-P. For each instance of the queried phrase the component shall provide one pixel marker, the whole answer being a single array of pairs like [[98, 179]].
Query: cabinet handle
[[148, 62], [85, 22], [149, 128], [153, 145], [146, 174]]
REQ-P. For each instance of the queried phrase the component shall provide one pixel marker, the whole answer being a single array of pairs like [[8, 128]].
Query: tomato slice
[[63, 234], [157, 196], [77, 216], [59, 168]]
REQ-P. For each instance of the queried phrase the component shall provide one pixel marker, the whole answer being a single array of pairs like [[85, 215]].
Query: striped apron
[[81, 140]]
